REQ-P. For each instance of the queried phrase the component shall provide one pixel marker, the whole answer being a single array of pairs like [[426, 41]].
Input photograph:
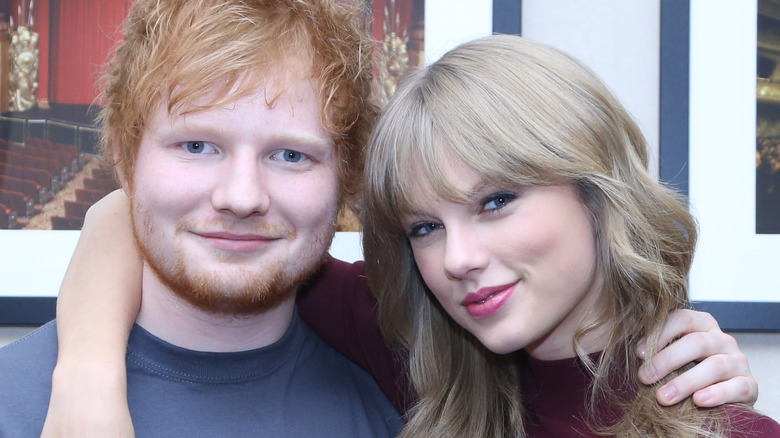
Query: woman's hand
[[722, 374]]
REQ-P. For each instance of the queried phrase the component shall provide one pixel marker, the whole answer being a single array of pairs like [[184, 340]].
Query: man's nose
[[241, 189]]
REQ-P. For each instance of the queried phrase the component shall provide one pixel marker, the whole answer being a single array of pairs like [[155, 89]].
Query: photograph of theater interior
[[51, 53], [768, 118]]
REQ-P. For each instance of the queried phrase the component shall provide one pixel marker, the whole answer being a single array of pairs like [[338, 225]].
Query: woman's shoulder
[[744, 422]]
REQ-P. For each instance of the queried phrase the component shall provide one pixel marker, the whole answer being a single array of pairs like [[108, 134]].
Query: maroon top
[[337, 304], [556, 397]]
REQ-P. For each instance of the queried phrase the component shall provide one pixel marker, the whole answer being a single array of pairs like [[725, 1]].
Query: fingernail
[[669, 393], [703, 397], [642, 349], [644, 374]]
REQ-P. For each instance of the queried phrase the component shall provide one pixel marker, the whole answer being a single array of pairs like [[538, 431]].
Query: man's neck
[[172, 319]]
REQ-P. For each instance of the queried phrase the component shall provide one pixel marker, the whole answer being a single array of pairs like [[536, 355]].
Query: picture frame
[[33, 263], [732, 275], [735, 309]]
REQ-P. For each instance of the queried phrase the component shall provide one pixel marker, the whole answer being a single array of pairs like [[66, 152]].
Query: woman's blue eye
[[199, 147], [422, 228], [497, 201], [289, 156]]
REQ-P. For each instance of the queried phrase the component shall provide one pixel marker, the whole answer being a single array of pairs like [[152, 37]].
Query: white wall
[[618, 39]]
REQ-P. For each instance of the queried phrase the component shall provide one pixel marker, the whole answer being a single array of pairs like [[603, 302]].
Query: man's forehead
[[291, 81], [288, 112]]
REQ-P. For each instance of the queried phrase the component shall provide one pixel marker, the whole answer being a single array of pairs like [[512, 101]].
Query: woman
[[105, 271], [519, 249]]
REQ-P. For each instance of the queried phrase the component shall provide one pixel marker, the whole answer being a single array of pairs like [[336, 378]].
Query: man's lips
[[238, 242]]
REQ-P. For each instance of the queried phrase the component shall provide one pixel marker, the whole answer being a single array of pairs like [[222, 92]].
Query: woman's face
[[514, 266]]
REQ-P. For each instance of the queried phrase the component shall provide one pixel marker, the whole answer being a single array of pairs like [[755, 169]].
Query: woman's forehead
[[450, 181]]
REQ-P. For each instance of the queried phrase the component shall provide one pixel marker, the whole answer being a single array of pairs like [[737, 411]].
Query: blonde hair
[[185, 50], [520, 113]]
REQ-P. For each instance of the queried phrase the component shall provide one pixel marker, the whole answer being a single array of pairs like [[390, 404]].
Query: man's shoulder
[[341, 383], [25, 381], [29, 361], [32, 348]]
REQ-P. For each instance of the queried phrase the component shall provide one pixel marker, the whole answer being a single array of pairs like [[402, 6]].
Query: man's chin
[[232, 292], [248, 286], [239, 303]]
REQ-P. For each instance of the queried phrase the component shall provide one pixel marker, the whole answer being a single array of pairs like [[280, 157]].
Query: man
[[236, 128]]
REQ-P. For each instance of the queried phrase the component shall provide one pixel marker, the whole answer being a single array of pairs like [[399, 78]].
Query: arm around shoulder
[[97, 305]]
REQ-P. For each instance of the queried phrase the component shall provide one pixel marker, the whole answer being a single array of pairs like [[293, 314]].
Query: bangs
[[437, 120]]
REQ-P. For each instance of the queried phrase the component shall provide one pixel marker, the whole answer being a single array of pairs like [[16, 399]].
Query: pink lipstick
[[488, 300]]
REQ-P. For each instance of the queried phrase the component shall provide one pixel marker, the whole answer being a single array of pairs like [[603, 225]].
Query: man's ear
[[120, 170]]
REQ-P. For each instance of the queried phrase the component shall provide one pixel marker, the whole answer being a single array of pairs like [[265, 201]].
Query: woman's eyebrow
[[476, 192]]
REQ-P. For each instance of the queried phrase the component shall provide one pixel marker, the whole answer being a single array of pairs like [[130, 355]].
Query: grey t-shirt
[[297, 387]]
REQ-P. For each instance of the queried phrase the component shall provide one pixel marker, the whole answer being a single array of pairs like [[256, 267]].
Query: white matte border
[[452, 22], [732, 263]]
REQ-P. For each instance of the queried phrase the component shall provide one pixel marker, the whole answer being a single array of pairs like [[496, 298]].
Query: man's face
[[234, 206]]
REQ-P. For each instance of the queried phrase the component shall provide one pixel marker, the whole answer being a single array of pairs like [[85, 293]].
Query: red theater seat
[[102, 173], [31, 189], [102, 184], [66, 223], [4, 213], [76, 209], [40, 176], [90, 196], [15, 200]]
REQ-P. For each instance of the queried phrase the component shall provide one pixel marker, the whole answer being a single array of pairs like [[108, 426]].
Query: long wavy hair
[[520, 113], [184, 51]]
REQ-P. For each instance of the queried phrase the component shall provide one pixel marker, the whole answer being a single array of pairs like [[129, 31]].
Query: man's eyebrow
[[207, 130], [303, 140], [196, 130], [180, 125]]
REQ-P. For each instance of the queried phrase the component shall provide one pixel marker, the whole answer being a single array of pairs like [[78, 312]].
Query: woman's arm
[[97, 305], [722, 374], [338, 305]]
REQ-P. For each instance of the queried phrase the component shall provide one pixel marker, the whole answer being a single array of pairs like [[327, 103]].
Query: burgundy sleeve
[[337, 304], [747, 423]]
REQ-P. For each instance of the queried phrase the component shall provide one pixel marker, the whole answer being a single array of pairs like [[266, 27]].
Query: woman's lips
[[488, 300]]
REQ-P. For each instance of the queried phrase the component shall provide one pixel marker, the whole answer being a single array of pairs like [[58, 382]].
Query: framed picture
[[33, 261], [731, 277], [50, 56], [708, 151]]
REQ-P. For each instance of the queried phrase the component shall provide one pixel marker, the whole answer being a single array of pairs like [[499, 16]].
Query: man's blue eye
[[288, 155], [199, 147], [292, 156]]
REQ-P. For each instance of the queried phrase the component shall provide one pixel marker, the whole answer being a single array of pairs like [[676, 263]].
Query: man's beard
[[251, 291]]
